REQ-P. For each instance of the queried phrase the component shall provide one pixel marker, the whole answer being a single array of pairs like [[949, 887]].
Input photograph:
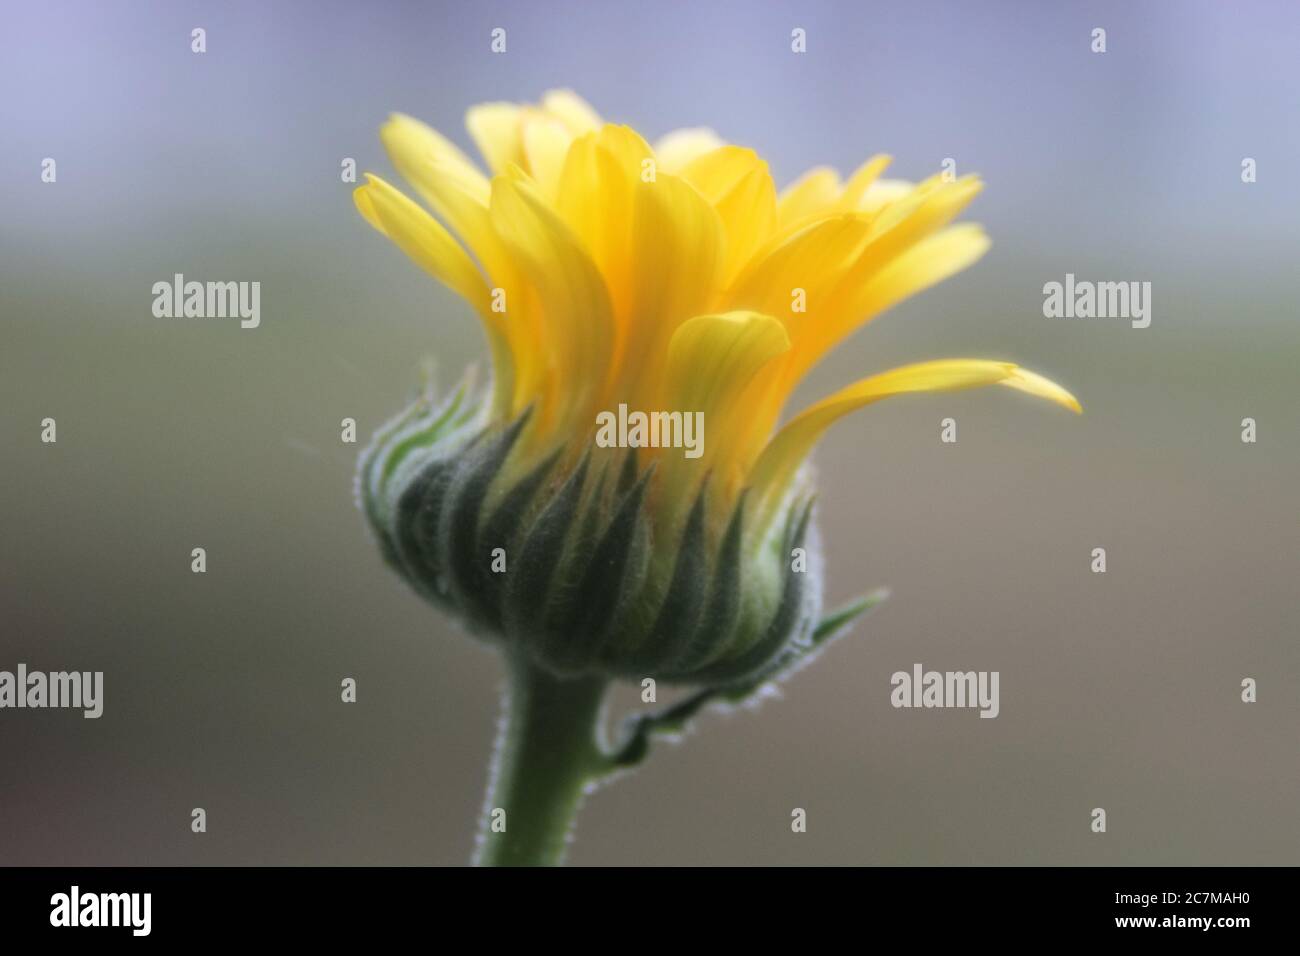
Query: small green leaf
[[638, 730], [837, 623]]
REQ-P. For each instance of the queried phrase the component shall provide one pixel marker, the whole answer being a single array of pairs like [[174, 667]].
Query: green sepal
[[682, 605], [530, 585], [790, 624], [503, 527], [456, 542], [612, 578], [722, 612]]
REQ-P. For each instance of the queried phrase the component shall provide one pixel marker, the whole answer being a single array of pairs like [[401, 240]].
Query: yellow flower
[[607, 273]]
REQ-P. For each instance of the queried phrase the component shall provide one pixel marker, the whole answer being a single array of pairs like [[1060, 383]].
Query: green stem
[[546, 754]]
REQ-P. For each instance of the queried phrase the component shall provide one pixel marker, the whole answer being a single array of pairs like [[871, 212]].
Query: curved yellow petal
[[737, 183], [545, 142], [422, 238], [712, 361], [574, 304], [445, 179], [428, 159], [627, 146], [601, 176], [458, 192], [494, 128], [675, 256], [856, 302], [883, 192], [594, 196], [795, 277], [903, 251], [571, 110], [815, 193], [712, 357], [779, 462], [924, 210], [677, 149], [1034, 384], [429, 244], [863, 178], [819, 193]]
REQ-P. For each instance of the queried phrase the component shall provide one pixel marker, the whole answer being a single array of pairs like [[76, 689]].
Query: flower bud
[[567, 556]]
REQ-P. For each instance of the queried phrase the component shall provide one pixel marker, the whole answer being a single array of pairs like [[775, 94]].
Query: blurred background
[[1119, 690]]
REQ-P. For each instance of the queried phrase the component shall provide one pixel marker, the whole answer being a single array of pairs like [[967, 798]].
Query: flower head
[[613, 279]]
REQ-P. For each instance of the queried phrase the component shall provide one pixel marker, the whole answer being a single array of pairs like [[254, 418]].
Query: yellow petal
[[1034, 384], [712, 357], [416, 149], [863, 178], [926, 209], [627, 146], [712, 361], [676, 252], [494, 128], [545, 144], [594, 196], [857, 301], [738, 185], [445, 179], [675, 150], [790, 446], [422, 238], [811, 264], [888, 264], [574, 303], [425, 240], [571, 110], [814, 259], [602, 174], [815, 193], [883, 192], [459, 193]]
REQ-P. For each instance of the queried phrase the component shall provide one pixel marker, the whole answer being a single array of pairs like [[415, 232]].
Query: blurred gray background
[[222, 690]]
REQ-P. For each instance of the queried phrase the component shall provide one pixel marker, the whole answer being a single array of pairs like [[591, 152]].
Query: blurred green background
[[222, 690]]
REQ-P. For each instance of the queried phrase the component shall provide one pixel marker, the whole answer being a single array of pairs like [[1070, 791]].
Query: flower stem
[[546, 754]]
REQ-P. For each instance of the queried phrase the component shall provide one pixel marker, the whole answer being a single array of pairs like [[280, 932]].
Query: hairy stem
[[547, 752]]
